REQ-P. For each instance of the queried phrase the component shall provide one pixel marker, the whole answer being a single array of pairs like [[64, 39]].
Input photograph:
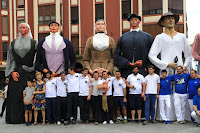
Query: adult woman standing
[[19, 68]]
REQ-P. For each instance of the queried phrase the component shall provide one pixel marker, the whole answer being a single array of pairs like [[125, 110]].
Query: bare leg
[[26, 115], [133, 114], [30, 115], [118, 112], [35, 116], [124, 111], [139, 114], [43, 116]]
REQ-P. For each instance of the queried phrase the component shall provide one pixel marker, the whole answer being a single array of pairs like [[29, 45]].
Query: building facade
[[77, 19]]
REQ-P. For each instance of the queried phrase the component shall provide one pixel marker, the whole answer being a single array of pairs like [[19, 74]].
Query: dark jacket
[[68, 51]]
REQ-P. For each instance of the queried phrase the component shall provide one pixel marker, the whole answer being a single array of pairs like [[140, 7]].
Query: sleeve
[[72, 55], [120, 61], [194, 101], [158, 79], [87, 54], [100, 82], [196, 48], [112, 52], [112, 78], [142, 79], [123, 85], [10, 65], [153, 53], [187, 54], [128, 79], [145, 79], [38, 63]]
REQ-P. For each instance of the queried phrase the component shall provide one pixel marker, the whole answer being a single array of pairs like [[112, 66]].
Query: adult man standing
[[170, 44], [133, 48], [54, 52]]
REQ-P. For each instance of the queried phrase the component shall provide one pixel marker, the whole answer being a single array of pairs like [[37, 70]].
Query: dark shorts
[[119, 101], [28, 107], [135, 101]]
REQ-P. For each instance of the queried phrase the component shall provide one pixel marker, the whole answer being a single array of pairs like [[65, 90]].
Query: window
[[41, 20], [20, 20], [151, 7], [46, 14], [175, 6], [75, 43], [47, 19], [4, 50], [99, 11], [126, 9], [74, 15], [20, 3], [4, 4], [4, 25]]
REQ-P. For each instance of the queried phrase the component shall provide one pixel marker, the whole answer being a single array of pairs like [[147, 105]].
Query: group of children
[[60, 96]]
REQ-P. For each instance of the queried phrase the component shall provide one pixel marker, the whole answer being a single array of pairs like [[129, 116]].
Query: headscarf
[[29, 33]]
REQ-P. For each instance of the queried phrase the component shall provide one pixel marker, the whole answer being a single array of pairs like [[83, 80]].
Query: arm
[[143, 90], [87, 55], [24, 95], [128, 85], [187, 54], [30, 99], [158, 90], [120, 61], [125, 100], [196, 110], [153, 53], [111, 63], [91, 80], [90, 93], [196, 48]]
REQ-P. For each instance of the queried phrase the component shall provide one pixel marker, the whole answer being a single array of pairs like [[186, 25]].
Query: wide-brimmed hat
[[54, 22], [133, 16], [166, 15]]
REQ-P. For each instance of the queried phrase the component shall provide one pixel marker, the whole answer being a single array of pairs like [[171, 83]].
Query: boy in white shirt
[[85, 96], [50, 96], [152, 89], [61, 100], [105, 87], [119, 95]]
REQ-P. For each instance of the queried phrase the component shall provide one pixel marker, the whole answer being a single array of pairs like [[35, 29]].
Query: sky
[[193, 18]]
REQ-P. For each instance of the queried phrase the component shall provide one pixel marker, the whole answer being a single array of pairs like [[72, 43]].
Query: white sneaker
[[58, 123], [105, 122], [111, 122]]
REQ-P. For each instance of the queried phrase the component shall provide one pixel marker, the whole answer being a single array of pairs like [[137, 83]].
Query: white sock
[[125, 117], [118, 118]]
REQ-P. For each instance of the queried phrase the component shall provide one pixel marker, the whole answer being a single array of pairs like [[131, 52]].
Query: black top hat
[[133, 16], [54, 22], [166, 15]]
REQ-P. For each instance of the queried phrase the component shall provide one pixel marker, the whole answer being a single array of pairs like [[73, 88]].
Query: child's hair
[[84, 69], [30, 80], [38, 73], [151, 66], [49, 72], [109, 73], [95, 72], [72, 68], [63, 72], [164, 71]]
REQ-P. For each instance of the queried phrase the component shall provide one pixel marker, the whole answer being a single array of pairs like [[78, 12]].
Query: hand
[[28, 103], [157, 96], [88, 98], [138, 63], [131, 64], [125, 100], [172, 65], [34, 93], [45, 70], [144, 98], [91, 72], [15, 76], [143, 95], [198, 113]]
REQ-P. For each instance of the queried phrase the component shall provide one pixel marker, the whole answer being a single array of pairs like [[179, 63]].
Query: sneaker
[[26, 124], [81, 122], [73, 121], [139, 122], [87, 122], [66, 122], [48, 123], [169, 122], [111, 122], [177, 122], [183, 122], [153, 121], [198, 125], [105, 122], [58, 122], [96, 123], [54, 123], [29, 123], [145, 122], [133, 121], [125, 121], [165, 122], [118, 121]]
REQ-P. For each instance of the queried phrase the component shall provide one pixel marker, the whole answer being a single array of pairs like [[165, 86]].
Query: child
[[28, 96]]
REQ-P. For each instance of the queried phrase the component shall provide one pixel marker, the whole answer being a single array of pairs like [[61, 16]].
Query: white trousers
[[190, 101], [179, 105], [195, 117], [165, 107]]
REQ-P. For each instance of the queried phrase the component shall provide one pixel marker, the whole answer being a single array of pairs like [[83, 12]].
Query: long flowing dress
[[21, 55]]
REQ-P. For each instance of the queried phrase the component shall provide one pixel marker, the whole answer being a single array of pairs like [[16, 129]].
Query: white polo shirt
[[50, 88], [109, 80], [61, 87], [118, 86], [152, 83], [73, 82], [84, 86], [137, 82]]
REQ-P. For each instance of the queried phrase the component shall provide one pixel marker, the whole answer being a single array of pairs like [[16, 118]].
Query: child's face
[[151, 70], [48, 75], [62, 75], [164, 74], [29, 83], [85, 72], [39, 77]]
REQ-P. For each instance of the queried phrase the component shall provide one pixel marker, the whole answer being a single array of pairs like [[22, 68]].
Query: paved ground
[[91, 128]]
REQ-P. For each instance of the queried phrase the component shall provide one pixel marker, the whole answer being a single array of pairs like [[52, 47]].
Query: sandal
[[35, 123], [43, 123]]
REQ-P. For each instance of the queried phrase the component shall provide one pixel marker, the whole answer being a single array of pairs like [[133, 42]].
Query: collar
[[57, 33], [131, 30]]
